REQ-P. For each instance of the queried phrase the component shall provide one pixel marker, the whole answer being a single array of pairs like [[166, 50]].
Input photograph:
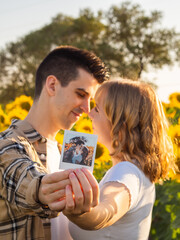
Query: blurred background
[[139, 39], [40, 25]]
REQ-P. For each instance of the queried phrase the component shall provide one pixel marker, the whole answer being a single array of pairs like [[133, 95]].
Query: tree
[[20, 60], [127, 40], [138, 39]]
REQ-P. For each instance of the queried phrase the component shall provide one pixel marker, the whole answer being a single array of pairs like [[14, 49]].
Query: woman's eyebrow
[[97, 105]]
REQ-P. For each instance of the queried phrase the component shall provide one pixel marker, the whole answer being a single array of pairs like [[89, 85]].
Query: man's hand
[[82, 194], [52, 189]]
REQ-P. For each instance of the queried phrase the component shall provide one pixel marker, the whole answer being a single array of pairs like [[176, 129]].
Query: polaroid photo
[[78, 150]]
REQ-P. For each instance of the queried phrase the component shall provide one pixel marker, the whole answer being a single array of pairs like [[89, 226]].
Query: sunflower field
[[19, 108], [166, 213]]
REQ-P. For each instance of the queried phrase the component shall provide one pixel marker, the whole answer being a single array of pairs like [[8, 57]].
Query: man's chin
[[69, 126]]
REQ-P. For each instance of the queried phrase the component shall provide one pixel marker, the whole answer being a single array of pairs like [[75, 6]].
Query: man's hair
[[64, 61], [139, 126], [79, 142]]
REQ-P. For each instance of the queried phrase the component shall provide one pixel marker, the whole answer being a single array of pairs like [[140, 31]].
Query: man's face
[[71, 101]]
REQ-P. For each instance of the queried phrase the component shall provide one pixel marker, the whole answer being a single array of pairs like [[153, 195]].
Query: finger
[[76, 188], [56, 196], [86, 188], [70, 205], [94, 184], [58, 205], [50, 188], [56, 176]]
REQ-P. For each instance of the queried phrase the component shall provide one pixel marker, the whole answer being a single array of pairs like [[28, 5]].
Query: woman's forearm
[[96, 219], [113, 205]]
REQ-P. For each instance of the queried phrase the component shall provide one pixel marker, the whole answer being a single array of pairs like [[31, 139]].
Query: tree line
[[128, 40]]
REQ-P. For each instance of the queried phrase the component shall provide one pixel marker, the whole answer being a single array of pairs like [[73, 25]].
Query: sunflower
[[174, 99], [169, 109], [92, 104], [172, 114], [85, 125], [83, 116], [172, 109], [178, 177], [102, 161], [23, 102], [174, 133], [174, 176], [3, 120], [59, 137], [171, 174], [102, 153], [17, 113], [3, 116]]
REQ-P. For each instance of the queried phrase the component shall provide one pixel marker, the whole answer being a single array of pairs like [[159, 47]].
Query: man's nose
[[86, 106]]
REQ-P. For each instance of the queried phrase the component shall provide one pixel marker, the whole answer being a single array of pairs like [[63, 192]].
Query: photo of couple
[[79, 149], [77, 153]]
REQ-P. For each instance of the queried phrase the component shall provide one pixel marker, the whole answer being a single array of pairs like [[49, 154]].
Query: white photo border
[[68, 134]]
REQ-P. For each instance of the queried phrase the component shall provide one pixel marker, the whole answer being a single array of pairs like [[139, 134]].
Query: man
[[65, 81]]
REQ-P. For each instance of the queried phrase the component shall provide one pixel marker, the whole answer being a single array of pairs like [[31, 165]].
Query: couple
[[77, 153], [129, 121]]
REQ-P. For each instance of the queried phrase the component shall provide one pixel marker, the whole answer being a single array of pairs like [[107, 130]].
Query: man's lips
[[76, 114]]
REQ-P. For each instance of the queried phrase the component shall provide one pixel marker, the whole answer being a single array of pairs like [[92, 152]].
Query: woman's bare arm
[[114, 203]]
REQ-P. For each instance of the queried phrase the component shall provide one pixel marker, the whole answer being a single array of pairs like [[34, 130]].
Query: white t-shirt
[[135, 224], [53, 156], [59, 225]]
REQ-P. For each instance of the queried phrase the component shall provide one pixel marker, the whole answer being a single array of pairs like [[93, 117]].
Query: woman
[[77, 154], [130, 122]]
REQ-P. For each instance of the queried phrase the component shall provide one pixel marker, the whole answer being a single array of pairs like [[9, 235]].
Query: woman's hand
[[82, 194], [114, 203]]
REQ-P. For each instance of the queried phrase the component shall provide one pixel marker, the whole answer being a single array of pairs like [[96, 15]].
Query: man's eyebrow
[[83, 90]]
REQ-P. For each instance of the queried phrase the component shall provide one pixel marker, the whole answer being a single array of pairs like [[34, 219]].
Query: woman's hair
[[139, 126]]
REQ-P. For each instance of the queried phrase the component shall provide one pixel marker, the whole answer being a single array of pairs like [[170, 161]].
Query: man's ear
[[51, 83]]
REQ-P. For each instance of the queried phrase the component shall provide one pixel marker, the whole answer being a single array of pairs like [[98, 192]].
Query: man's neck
[[40, 121]]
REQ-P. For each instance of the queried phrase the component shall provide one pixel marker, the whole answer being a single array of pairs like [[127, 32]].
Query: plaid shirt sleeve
[[20, 176]]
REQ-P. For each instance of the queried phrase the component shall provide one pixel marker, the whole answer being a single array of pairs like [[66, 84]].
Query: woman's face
[[101, 125]]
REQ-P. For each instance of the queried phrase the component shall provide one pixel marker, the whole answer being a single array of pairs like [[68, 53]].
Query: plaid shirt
[[22, 165]]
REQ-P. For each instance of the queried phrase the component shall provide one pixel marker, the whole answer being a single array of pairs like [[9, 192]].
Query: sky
[[19, 17]]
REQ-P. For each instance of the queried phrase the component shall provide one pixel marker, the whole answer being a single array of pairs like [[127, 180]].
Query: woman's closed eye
[[96, 109]]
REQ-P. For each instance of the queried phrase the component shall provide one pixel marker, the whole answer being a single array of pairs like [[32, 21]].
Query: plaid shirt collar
[[30, 133]]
